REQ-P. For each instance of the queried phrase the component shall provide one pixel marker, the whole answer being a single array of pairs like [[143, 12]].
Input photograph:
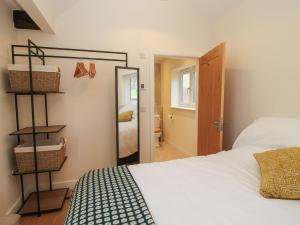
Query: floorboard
[[167, 152], [53, 218]]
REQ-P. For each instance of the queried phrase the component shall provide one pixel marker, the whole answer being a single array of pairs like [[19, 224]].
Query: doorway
[[175, 107], [209, 101]]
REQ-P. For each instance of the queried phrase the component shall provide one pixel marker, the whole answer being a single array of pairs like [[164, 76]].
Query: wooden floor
[[53, 218], [167, 152], [48, 200]]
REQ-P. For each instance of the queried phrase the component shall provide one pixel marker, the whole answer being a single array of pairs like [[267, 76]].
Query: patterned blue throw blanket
[[108, 197]]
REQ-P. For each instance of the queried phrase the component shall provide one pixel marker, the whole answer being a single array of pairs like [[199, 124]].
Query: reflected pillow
[[129, 107], [125, 116], [280, 173]]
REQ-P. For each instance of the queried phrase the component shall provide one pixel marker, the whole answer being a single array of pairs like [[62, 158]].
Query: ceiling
[[213, 9], [208, 9], [12, 4]]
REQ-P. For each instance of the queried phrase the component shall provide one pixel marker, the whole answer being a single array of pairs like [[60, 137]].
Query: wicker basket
[[47, 160], [42, 81]]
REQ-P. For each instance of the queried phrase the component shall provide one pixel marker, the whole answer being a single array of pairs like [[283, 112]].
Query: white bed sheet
[[221, 189], [127, 138]]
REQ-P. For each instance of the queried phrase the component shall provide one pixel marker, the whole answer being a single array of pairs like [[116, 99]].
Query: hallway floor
[[167, 152]]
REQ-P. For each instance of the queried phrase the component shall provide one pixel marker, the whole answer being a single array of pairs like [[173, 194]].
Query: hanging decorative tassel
[[92, 71], [80, 70]]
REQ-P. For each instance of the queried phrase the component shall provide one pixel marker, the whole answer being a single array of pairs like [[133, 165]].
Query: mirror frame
[[135, 157]]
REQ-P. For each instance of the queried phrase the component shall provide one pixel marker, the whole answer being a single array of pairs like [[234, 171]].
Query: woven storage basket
[[47, 160], [42, 81]]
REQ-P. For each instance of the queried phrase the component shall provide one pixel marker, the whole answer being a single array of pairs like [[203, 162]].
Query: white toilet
[[157, 130]]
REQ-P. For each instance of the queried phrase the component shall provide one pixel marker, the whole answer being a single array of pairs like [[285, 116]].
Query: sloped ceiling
[[12, 4], [209, 10], [213, 9], [37, 10]]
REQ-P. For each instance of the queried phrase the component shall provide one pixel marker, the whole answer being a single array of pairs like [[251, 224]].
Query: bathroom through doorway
[[175, 107]]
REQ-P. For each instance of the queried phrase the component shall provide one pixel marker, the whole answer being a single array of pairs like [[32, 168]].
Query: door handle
[[206, 63], [219, 124]]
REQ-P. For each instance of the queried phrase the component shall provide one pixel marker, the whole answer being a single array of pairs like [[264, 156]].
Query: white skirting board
[[56, 185]]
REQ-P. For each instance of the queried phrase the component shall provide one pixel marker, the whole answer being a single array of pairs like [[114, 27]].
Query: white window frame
[[176, 88], [130, 84]]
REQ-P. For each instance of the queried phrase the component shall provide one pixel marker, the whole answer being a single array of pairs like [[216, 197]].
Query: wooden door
[[211, 101]]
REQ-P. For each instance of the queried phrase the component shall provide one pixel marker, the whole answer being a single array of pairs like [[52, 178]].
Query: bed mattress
[[221, 189], [128, 138]]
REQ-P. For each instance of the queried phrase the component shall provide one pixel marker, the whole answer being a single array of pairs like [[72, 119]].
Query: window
[[183, 88], [133, 88], [128, 89]]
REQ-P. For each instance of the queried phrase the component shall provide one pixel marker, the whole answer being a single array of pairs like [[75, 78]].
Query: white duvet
[[128, 138], [221, 189]]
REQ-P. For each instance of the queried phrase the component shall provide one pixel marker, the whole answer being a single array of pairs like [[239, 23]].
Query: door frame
[[154, 54]]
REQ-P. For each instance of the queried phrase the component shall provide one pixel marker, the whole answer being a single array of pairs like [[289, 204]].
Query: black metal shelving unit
[[39, 201]]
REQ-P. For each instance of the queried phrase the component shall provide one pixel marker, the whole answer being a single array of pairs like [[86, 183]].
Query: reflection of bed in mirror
[[127, 115], [128, 133]]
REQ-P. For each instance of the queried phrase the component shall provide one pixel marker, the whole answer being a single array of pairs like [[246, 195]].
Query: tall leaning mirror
[[127, 115]]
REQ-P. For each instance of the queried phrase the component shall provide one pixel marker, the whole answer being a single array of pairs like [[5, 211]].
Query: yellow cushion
[[280, 173], [125, 116]]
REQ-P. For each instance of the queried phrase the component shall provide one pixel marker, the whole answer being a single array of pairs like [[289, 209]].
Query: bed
[[212, 190], [128, 138], [128, 133]]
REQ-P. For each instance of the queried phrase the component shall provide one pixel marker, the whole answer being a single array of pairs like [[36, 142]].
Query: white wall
[[138, 27], [262, 76], [263, 73], [181, 131], [9, 188]]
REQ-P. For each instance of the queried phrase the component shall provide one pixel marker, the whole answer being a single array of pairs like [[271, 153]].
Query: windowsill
[[183, 108]]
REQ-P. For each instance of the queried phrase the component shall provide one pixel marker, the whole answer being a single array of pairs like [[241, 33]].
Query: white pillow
[[271, 132]]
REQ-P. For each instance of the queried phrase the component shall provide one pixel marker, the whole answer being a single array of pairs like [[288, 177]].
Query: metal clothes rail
[[40, 52]]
